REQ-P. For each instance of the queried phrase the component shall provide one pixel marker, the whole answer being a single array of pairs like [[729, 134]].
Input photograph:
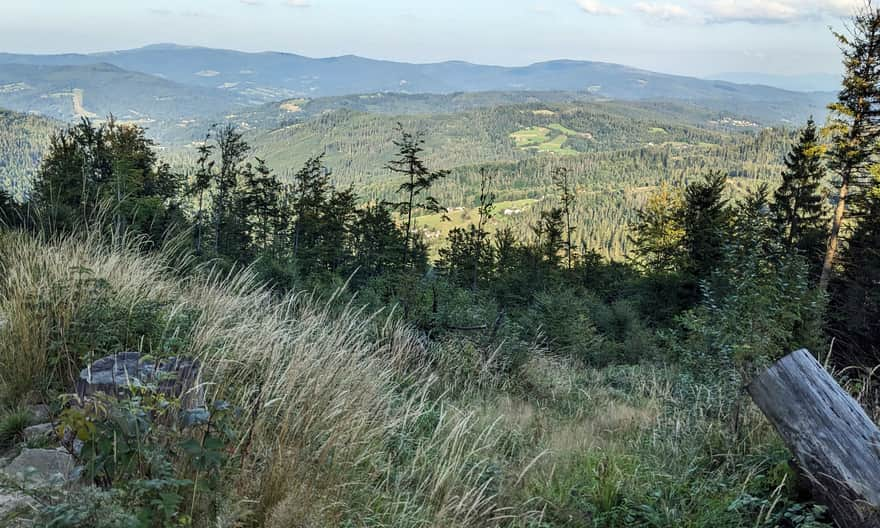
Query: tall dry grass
[[349, 418], [322, 387]]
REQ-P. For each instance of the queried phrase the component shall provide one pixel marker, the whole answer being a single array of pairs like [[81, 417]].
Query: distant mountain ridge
[[269, 76], [812, 82]]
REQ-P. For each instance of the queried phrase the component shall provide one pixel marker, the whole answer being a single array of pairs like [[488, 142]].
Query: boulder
[[15, 507], [120, 373], [40, 432], [40, 468], [39, 413]]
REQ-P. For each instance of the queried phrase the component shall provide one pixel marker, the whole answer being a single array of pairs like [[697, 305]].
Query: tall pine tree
[[854, 122]]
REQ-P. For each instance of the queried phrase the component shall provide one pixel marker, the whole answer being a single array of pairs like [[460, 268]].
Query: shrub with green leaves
[[167, 460]]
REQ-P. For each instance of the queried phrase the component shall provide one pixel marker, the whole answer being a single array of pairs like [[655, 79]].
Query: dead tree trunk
[[833, 440]]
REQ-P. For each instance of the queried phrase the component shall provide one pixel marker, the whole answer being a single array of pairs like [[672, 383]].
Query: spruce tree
[[378, 243], [199, 188], [798, 210], [854, 122], [228, 204], [549, 235], [658, 233], [339, 216], [562, 180], [263, 203], [311, 185], [419, 180], [705, 219], [485, 211], [855, 299]]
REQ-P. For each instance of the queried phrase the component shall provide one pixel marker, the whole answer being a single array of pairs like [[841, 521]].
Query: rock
[[71, 443], [15, 507], [38, 468], [40, 413], [119, 373], [39, 432]]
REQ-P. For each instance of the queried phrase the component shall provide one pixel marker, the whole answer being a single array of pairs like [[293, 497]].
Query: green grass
[[543, 139], [12, 424], [557, 146], [531, 137], [565, 130]]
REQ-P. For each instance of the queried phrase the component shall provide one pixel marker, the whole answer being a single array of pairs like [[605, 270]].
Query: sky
[[691, 37]]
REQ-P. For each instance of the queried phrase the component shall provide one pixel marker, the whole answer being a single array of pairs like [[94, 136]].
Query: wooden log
[[835, 443]]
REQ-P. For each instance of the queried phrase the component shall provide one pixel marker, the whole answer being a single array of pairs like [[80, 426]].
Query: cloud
[[595, 7], [664, 12], [748, 11], [757, 11], [197, 14], [298, 3]]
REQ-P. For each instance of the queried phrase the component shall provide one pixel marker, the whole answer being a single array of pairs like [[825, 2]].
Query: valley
[[613, 147]]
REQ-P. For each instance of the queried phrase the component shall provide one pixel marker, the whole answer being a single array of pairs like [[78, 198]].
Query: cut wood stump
[[835, 443]]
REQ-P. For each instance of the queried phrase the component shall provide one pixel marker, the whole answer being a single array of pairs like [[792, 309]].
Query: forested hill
[[358, 144], [98, 90], [617, 152]]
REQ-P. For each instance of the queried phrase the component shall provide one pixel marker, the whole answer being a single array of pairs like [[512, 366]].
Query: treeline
[[358, 144]]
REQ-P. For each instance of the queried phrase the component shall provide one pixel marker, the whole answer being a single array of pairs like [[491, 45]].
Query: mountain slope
[[98, 90]]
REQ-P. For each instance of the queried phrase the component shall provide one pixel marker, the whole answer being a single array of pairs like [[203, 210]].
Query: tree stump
[[835, 443]]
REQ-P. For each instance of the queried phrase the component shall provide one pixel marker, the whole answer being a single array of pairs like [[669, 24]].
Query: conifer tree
[[705, 219], [419, 180], [230, 224], [549, 235], [378, 242], [798, 207], [854, 122], [855, 317], [200, 186], [658, 232], [562, 181], [311, 184], [485, 210], [263, 197], [339, 216]]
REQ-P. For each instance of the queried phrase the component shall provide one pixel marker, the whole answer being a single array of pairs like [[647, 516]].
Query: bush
[[13, 422]]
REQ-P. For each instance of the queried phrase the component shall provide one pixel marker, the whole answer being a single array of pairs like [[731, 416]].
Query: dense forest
[[544, 316]]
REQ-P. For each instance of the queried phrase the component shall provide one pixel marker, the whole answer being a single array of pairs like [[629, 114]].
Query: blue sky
[[697, 37]]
